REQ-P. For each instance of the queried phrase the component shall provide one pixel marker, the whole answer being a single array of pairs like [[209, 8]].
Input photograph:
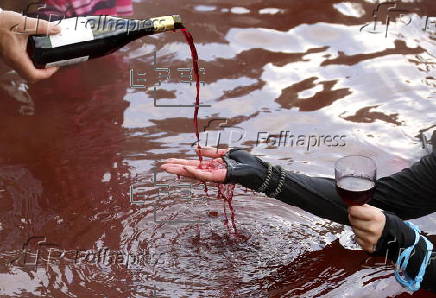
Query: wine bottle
[[84, 38]]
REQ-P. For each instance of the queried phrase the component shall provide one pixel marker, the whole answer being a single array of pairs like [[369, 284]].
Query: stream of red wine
[[194, 55], [225, 191]]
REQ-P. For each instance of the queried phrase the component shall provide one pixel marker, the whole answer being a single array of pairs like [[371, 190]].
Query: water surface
[[75, 146]]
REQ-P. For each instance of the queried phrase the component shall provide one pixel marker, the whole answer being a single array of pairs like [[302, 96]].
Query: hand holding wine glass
[[368, 223], [355, 183]]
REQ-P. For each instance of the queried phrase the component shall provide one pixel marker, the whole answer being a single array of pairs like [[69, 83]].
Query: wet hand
[[367, 223], [14, 32], [213, 170]]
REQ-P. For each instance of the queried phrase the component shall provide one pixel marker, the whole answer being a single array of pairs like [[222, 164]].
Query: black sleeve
[[410, 193], [315, 195], [396, 236]]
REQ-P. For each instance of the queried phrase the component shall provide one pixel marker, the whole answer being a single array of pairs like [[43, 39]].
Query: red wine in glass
[[355, 179], [355, 191]]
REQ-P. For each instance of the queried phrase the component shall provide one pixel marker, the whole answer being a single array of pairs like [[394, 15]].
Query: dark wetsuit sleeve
[[397, 236], [410, 193]]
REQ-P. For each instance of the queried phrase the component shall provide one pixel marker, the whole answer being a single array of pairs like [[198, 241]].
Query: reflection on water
[[73, 146]]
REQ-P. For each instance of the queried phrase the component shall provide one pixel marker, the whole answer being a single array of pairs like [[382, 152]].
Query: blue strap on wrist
[[403, 261]]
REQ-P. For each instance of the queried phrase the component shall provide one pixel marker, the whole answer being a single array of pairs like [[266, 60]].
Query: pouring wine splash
[[225, 191]]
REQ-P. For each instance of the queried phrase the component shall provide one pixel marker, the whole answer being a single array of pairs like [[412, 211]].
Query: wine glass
[[355, 183]]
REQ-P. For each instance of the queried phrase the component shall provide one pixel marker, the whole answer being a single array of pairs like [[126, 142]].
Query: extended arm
[[410, 193]]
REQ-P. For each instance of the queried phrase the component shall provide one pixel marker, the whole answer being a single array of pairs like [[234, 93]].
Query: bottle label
[[163, 24], [67, 62], [73, 30]]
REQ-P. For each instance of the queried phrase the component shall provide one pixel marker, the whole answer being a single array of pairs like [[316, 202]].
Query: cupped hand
[[367, 223], [213, 170], [14, 32]]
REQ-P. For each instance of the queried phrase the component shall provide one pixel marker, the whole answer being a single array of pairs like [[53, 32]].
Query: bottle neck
[[104, 26]]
